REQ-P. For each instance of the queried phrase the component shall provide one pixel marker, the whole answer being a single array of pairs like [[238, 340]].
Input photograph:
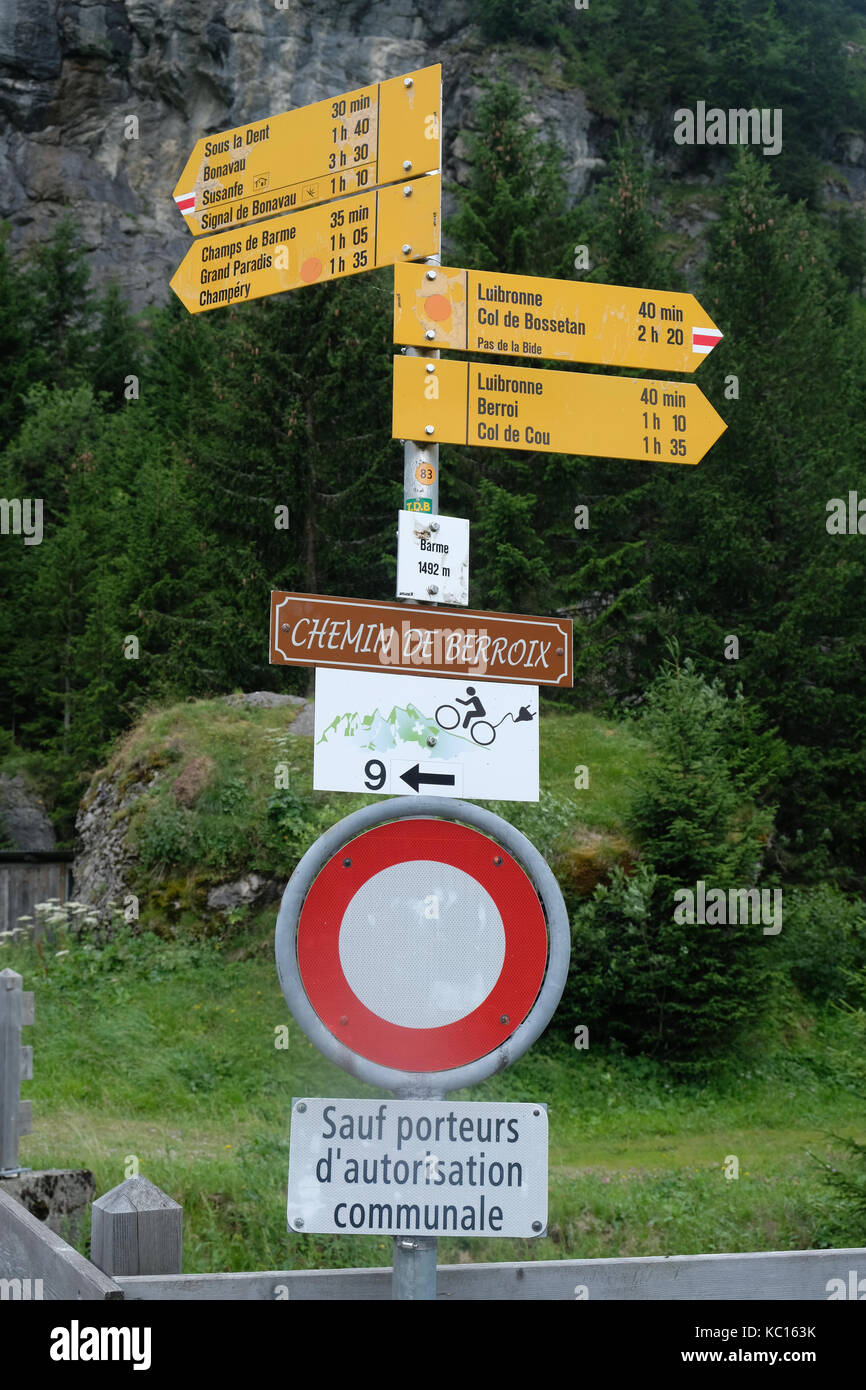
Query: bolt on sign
[[555, 412], [372, 136], [342, 238], [528, 316], [353, 634]]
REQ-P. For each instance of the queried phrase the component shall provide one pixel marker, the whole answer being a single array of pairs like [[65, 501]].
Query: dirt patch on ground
[[588, 860], [192, 781]]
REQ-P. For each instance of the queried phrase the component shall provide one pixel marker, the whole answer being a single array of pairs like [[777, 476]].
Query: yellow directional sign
[[375, 135], [555, 412], [324, 243], [527, 316]]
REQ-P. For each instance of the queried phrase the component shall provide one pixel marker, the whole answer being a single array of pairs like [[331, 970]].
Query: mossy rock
[[588, 861], [176, 897]]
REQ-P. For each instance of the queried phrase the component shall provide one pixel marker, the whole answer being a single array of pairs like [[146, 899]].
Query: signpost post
[[425, 880], [529, 316], [375, 135], [346, 237]]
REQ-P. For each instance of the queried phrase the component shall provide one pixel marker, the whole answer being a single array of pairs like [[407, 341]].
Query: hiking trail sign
[[346, 237], [354, 634], [398, 734], [573, 320], [375, 135], [422, 944], [551, 411]]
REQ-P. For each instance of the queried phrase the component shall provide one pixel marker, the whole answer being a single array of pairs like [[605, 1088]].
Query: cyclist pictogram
[[448, 717]]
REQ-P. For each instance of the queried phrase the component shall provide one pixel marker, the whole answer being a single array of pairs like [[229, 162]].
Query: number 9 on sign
[[425, 473], [374, 774]]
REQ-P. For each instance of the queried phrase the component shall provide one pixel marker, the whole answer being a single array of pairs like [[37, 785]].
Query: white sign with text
[[425, 734], [433, 558], [418, 1167]]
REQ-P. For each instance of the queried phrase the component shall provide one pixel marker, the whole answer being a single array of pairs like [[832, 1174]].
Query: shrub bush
[[823, 942], [677, 990]]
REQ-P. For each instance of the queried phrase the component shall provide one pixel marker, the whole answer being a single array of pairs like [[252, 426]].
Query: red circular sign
[[348, 922]]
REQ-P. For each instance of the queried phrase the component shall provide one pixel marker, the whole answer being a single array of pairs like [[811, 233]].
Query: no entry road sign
[[529, 316], [373, 135], [422, 943], [343, 238]]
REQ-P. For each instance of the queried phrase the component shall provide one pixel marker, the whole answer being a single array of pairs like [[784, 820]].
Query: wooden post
[[16, 1065], [137, 1229], [37, 1264]]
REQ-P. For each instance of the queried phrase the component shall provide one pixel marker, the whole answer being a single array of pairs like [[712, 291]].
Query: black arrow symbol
[[415, 777]]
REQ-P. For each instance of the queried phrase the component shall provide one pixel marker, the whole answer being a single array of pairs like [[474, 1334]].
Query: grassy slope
[[165, 1052], [184, 850]]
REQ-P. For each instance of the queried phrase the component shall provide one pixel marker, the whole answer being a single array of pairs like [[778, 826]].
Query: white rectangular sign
[[425, 734], [433, 558], [418, 1167]]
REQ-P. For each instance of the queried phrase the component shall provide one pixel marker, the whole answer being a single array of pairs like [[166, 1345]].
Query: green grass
[[614, 753], [163, 1053], [159, 1050], [185, 847]]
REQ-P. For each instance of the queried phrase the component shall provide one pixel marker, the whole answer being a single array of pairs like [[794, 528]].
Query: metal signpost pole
[[420, 457], [414, 1276], [414, 1270]]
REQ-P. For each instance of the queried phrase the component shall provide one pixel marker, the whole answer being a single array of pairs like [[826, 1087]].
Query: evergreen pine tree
[[17, 366], [643, 975], [743, 549], [60, 307]]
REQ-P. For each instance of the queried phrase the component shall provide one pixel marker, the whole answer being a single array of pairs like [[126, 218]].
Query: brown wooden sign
[[353, 634]]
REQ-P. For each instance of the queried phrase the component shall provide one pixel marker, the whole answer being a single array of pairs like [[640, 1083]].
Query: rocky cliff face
[[73, 71], [23, 822]]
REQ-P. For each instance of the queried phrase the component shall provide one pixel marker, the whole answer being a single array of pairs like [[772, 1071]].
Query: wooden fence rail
[[798, 1275], [137, 1227], [30, 1251]]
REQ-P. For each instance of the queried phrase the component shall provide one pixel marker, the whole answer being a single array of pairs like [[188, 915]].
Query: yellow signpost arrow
[[342, 238], [360, 140], [555, 412], [527, 316]]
